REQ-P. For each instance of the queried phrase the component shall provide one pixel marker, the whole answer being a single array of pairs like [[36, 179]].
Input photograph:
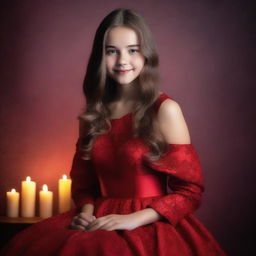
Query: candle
[[28, 198], [45, 204], [13, 198], [64, 194]]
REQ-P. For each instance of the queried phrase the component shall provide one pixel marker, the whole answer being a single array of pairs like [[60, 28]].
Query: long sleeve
[[85, 186], [181, 163]]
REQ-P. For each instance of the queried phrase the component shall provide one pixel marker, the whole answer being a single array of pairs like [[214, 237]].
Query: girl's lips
[[122, 71]]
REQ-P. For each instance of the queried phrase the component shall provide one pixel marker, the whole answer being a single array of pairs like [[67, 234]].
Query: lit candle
[[28, 198], [45, 205], [13, 198], [64, 194]]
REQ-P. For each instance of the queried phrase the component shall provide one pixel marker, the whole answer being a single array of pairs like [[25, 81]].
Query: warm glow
[[13, 190], [64, 188], [45, 188], [28, 179]]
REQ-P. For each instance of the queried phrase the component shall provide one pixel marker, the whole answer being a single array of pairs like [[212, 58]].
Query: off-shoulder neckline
[[130, 113]]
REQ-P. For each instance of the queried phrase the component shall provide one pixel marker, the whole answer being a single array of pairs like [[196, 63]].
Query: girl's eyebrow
[[131, 45]]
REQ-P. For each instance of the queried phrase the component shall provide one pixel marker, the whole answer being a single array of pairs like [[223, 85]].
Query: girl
[[134, 146]]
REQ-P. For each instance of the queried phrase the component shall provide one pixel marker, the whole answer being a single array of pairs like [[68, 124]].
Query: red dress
[[118, 179]]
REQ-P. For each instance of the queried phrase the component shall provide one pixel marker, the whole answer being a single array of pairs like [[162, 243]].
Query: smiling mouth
[[122, 71]]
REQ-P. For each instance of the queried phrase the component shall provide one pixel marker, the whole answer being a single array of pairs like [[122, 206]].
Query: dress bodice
[[117, 158]]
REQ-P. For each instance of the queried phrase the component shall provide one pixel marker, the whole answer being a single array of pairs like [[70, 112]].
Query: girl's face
[[124, 60]]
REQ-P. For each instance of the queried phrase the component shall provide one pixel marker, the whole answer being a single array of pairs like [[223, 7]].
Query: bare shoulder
[[172, 124], [168, 107]]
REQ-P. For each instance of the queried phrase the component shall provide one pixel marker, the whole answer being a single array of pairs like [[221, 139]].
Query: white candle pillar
[[64, 194], [45, 198], [12, 209], [28, 198]]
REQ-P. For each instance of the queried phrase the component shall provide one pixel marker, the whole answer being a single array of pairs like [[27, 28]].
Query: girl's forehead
[[122, 36]]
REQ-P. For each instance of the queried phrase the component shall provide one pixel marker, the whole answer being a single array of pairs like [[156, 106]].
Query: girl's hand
[[81, 221], [113, 222]]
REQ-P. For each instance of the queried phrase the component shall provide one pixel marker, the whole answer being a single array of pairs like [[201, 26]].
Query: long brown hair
[[100, 90]]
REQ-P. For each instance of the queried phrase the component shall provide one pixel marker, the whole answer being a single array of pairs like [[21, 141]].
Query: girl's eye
[[113, 51], [133, 51], [110, 52]]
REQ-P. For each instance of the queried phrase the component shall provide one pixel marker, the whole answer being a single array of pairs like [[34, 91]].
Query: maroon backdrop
[[206, 56]]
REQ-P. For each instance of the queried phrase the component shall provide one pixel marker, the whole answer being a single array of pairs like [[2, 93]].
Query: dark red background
[[206, 63]]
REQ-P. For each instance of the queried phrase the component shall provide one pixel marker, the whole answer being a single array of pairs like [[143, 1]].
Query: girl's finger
[[85, 216], [96, 225], [81, 222], [74, 226], [92, 226], [79, 227], [108, 226]]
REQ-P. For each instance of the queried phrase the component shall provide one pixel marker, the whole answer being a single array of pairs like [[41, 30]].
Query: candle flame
[[45, 188], [13, 190], [64, 177], [28, 179]]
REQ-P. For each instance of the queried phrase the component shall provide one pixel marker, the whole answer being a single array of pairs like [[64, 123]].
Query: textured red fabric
[[119, 179], [84, 187], [182, 165]]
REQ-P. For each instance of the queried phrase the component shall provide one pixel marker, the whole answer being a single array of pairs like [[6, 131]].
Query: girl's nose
[[123, 58]]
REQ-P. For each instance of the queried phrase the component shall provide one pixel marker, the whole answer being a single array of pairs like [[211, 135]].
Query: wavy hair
[[100, 90]]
